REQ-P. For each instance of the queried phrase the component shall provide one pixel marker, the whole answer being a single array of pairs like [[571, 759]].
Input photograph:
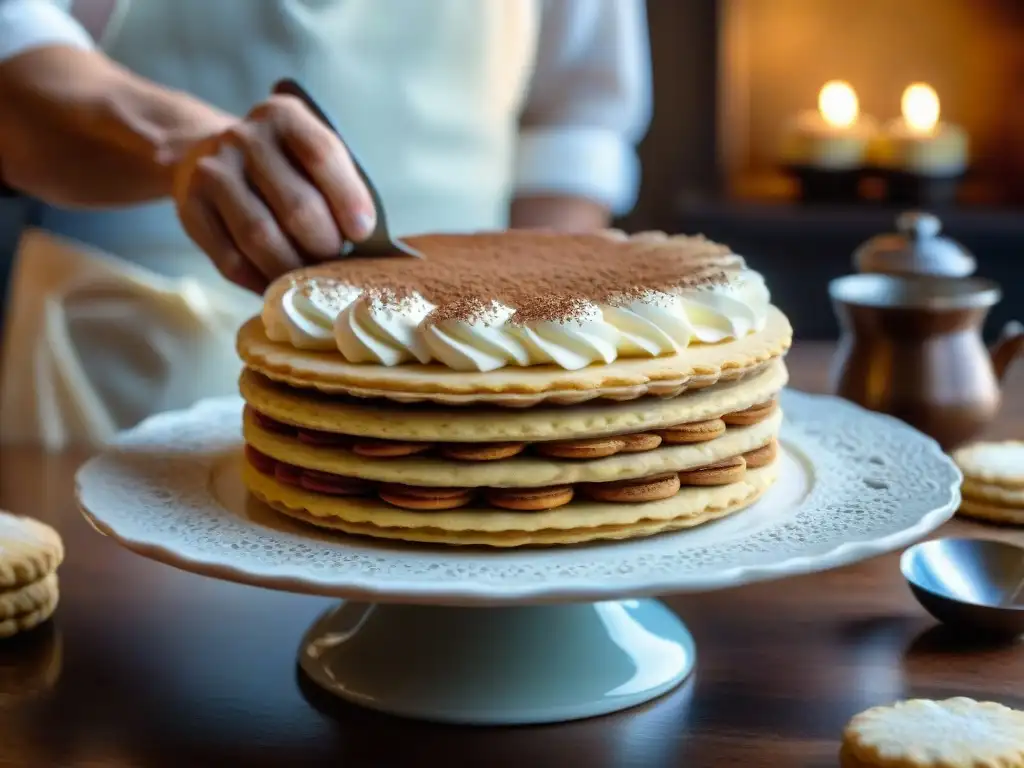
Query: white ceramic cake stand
[[522, 636]]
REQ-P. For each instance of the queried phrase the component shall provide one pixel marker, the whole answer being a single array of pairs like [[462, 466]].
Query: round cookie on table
[[920, 733], [993, 487], [516, 388], [30, 552]]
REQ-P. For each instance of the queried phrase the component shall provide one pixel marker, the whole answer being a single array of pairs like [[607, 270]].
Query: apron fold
[[94, 344]]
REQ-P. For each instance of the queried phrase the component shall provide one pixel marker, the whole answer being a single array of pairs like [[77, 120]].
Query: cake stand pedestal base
[[499, 666]]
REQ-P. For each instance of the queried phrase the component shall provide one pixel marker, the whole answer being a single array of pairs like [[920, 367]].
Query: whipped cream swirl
[[370, 327]]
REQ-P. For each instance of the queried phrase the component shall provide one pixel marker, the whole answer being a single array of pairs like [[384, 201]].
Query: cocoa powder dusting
[[541, 275]]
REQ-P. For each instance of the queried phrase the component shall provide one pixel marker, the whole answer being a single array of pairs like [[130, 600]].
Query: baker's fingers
[[204, 226], [220, 179], [323, 158], [298, 206]]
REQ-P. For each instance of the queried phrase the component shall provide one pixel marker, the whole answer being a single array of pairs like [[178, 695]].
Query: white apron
[[114, 315]]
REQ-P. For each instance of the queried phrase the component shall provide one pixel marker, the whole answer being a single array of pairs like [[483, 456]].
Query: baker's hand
[[273, 192]]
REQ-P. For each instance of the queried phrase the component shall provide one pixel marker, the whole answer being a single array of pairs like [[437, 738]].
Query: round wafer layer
[[578, 522], [303, 408], [521, 471], [699, 365]]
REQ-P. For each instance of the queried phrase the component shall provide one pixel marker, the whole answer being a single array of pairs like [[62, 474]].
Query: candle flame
[[838, 104], [921, 108]]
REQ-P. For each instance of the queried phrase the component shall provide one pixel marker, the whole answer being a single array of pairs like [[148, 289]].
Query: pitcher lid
[[937, 293], [917, 249]]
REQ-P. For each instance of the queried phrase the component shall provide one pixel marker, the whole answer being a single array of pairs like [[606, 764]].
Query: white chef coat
[[453, 106]]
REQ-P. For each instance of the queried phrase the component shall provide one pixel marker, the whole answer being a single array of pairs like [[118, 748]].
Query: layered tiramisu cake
[[516, 388]]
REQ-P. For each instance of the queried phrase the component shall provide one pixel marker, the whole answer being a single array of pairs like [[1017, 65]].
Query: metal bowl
[[971, 584]]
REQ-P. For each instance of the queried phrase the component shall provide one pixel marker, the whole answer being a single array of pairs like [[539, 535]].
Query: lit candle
[[838, 105], [834, 137], [826, 148], [924, 156], [921, 108], [919, 142]]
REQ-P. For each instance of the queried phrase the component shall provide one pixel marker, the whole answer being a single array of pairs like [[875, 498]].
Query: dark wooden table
[[145, 665]]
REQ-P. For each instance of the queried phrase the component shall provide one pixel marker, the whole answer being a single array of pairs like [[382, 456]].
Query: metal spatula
[[380, 243]]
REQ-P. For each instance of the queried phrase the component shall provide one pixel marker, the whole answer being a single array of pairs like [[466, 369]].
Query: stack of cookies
[[516, 388], [993, 487], [30, 552]]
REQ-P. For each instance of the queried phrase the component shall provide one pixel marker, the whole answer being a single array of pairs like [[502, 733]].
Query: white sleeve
[[589, 102], [27, 24]]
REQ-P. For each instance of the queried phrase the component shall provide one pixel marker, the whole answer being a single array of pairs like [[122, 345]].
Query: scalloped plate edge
[[467, 593]]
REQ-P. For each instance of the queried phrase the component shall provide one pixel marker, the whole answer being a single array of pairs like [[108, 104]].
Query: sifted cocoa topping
[[541, 275]]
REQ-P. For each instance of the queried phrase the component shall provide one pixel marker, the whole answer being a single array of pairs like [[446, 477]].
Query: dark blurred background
[[729, 73]]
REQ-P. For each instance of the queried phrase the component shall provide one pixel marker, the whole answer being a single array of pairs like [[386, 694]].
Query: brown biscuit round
[[388, 449], [720, 473], [696, 432], [326, 439], [763, 456], [530, 499], [481, 451], [594, 448], [269, 424], [334, 485], [752, 415], [425, 499], [645, 441], [287, 474], [637, 490], [259, 460]]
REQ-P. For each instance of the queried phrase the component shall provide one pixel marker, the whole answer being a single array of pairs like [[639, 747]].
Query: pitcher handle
[[1007, 347]]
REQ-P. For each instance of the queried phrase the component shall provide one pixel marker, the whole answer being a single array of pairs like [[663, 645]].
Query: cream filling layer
[[366, 329]]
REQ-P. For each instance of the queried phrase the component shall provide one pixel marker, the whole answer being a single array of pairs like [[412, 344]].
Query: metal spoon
[[380, 243], [970, 583]]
